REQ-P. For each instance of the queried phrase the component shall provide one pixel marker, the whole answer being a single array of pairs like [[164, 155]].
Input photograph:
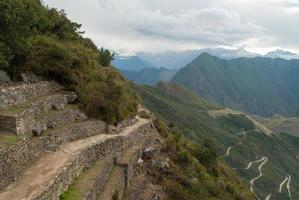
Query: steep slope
[[72, 157], [239, 141], [261, 86], [149, 76]]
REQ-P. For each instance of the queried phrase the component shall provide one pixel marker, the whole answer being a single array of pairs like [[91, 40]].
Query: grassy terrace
[[84, 181], [19, 108], [7, 140]]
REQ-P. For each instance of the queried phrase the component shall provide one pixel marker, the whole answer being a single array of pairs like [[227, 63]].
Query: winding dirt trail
[[264, 160], [41, 173], [257, 161], [282, 183], [239, 144], [288, 187], [269, 196], [286, 181]]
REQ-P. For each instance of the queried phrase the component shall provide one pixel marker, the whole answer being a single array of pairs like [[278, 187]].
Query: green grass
[[7, 140], [70, 194], [85, 180]]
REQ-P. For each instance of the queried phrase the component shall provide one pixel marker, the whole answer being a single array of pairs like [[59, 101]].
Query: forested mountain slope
[[262, 160], [261, 86]]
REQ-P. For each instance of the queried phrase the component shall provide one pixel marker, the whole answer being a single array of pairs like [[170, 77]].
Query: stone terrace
[[55, 146]]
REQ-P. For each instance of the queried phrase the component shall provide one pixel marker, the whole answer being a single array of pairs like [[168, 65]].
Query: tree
[[105, 57]]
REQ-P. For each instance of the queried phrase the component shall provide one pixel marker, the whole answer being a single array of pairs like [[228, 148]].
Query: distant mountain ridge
[[179, 59], [131, 63], [149, 76], [279, 53], [260, 85]]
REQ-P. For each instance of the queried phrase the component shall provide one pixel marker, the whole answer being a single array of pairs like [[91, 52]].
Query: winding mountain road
[[269, 196], [282, 183], [257, 161], [239, 144], [289, 188], [264, 160], [286, 181]]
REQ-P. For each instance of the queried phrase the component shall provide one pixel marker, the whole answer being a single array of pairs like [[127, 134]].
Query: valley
[[261, 156]]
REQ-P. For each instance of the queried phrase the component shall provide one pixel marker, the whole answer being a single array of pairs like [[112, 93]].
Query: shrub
[[43, 41], [105, 57]]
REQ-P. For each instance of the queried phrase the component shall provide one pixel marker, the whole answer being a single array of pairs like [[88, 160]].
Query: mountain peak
[[280, 53]]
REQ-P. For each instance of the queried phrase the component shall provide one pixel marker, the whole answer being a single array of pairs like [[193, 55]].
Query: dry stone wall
[[16, 158], [85, 159], [14, 93]]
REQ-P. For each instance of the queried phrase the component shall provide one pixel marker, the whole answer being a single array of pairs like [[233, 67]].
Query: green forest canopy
[[38, 39]]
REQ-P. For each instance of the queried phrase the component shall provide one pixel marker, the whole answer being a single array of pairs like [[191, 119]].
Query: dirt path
[[286, 181], [239, 144], [251, 163], [35, 178], [264, 160], [268, 197], [282, 183], [288, 187]]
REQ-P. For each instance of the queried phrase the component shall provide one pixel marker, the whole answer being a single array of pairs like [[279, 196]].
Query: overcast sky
[[130, 26]]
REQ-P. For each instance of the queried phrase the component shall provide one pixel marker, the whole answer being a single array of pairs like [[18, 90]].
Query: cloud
[[155, 25], [208, 26]]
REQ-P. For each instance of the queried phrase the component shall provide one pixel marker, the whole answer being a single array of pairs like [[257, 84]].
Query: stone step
[[18, 93], [115, 185], [19, 118], [54, 172], [91, 181], [16, 157]]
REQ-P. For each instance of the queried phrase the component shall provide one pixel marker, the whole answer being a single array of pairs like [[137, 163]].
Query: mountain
[[279, 53], [131, 63], [262, 159], [81, 133], [261, 86], [149, 76], [179, 59]]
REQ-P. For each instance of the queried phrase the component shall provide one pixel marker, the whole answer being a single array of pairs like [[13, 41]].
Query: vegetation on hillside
[[195, 171], [194, 122], [261, 86], [175, 104], [34, 38]]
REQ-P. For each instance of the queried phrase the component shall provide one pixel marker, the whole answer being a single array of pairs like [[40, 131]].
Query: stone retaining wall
[[135, 137], [99, 181], [19, 93], [84, 159], [7, 124], [16, 158], [22, 124]]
